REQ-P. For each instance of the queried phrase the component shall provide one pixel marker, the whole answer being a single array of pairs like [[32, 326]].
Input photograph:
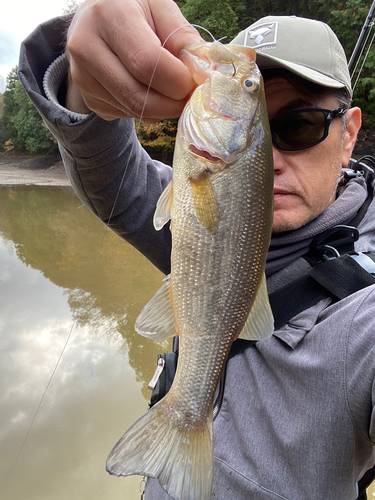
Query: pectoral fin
[[163, 208], [156, 320], [259, 324], [205, 203]]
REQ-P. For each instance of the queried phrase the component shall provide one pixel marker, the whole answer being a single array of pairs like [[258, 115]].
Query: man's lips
[[280, 191], [284, 197]]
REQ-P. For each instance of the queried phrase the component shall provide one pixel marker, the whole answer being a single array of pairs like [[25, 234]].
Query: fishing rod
[[357, 49]]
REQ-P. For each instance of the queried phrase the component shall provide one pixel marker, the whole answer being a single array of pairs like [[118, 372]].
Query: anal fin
[[260, 323]]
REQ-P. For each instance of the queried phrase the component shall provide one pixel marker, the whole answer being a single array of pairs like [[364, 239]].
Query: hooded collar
[[291, 245]]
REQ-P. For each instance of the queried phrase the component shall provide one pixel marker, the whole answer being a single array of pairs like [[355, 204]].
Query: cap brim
[[265, 61]]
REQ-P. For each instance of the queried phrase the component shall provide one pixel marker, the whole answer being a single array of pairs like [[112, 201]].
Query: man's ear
[[353, 124]]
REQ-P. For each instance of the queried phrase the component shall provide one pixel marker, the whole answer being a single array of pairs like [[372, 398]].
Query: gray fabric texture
[[297, 420]]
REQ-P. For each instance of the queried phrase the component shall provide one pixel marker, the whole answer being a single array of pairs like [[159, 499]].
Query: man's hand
[[115, 50]]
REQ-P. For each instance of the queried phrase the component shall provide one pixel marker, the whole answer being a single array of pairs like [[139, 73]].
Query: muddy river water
[[65, 280], [73, 373]]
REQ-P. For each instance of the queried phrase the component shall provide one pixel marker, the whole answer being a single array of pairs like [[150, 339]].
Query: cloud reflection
[[96, 392], [82, 414]]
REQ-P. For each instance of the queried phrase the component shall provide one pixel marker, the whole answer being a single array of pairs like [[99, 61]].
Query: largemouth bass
[[220, 203]]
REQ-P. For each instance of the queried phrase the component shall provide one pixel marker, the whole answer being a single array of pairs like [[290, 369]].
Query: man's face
[[306, 180]]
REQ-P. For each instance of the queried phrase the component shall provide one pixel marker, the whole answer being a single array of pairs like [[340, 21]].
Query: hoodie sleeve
[[107, 167]]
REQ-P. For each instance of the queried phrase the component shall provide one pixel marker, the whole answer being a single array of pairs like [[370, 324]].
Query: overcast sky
[[17, 20]]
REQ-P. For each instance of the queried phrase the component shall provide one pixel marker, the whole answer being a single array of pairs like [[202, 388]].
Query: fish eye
[[250, 85]]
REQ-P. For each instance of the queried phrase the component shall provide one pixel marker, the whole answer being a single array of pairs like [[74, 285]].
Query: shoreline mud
[[32, 171], [49, 170]]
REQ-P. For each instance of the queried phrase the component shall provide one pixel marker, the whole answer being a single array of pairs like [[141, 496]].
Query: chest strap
[[336, 278]]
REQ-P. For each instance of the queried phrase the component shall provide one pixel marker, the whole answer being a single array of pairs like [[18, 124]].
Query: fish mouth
[[201, 148], [204, 140], [204, 154]]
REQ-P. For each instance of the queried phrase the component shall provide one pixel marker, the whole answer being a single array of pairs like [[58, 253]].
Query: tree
[[220, 18], [32, 135], [10, 105], [347, 20], [3, 132], [158, 139], [25, 130]]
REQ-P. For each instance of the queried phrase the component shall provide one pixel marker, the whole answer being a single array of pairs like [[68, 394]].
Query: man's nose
[[278, 160]]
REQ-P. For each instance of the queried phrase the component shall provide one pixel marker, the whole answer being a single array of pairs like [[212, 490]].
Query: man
[[297, 419]]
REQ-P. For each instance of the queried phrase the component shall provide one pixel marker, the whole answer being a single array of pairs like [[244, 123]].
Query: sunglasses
[[302, 128]]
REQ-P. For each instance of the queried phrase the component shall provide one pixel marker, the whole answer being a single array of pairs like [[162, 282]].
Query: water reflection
[[58, 279]]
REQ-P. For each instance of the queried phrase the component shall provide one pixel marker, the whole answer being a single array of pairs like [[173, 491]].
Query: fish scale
[[220, 203]]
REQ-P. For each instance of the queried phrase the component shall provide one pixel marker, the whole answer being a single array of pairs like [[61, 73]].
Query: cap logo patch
[[263, 35]]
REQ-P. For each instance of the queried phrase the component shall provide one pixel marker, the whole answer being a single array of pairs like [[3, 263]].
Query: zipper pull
[[159, 370]]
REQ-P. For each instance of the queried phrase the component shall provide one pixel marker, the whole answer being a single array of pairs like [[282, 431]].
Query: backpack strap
[[336, 278]]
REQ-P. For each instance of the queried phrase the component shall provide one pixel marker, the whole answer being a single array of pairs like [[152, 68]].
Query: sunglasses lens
[[298, 130]]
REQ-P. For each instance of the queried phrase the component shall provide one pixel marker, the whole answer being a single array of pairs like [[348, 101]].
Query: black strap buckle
[[334, 242]]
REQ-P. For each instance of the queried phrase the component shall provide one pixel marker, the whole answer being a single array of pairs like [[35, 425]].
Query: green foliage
[[228, 17], [364, 98], [9, 104], [32, 135], [218, 17], [3, 132], [347, 19], [25, 130], [158, 139]]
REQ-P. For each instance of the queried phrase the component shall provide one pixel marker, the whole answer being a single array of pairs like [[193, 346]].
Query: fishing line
[[360, 55], [209, 32], [107, 224], [366, 55], [38, 407], [142, 113], [362, 49], [143, 109], [53, 373]]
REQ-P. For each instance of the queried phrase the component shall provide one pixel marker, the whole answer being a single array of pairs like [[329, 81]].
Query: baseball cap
[[306, 47]]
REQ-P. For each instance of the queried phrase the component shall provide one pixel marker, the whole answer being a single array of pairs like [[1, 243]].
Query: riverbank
[[49, 170], [32, 170]]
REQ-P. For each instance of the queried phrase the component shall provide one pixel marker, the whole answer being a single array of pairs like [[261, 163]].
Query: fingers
[[125, 101], [138, 38], [118, 61], [109, 89]]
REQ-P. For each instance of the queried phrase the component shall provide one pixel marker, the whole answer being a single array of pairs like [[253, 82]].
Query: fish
[[220, 207]]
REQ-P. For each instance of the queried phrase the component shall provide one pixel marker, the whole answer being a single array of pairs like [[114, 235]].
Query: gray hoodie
[[297, 419]]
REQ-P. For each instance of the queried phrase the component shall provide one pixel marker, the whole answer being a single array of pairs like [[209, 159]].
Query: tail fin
[[179, 456]]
